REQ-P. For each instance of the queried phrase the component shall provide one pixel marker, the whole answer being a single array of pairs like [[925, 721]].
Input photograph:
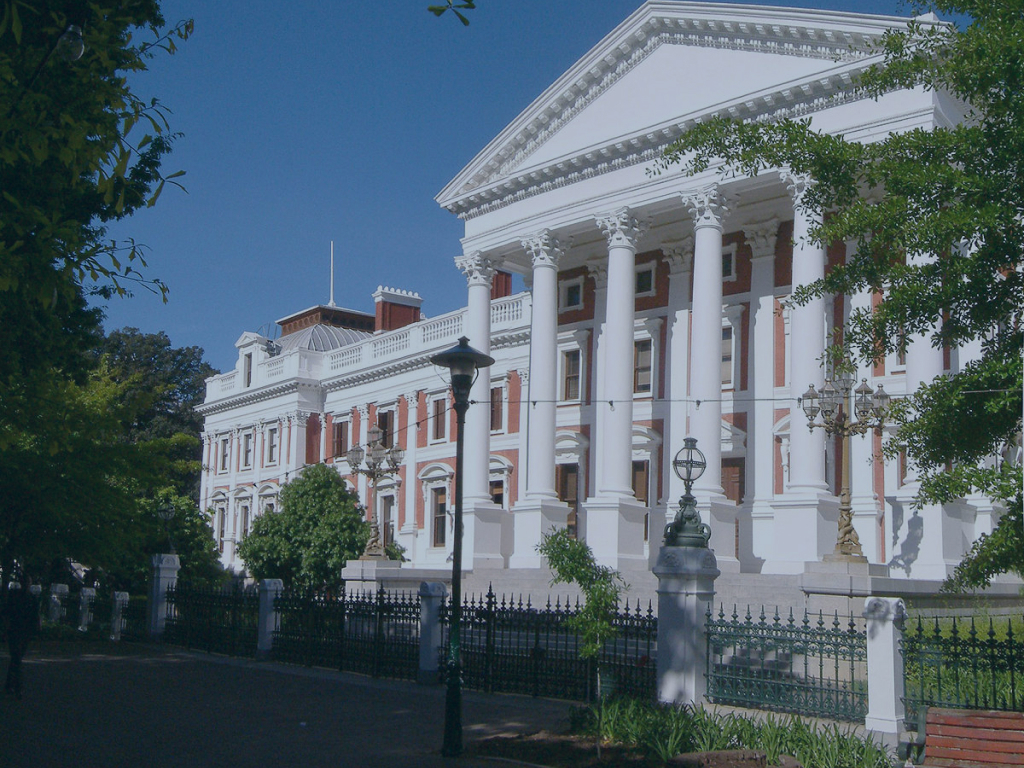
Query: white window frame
[[432, 418], [248, 439], [272, 459], [500, 382], [391, 408], [223, 454], [650, 266], [573, 341], [732, 314], [563, 294], [648, 329], [431, 477], [730, 251], [346, 423]]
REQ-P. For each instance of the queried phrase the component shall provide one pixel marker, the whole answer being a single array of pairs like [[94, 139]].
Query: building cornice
[[256, 396]]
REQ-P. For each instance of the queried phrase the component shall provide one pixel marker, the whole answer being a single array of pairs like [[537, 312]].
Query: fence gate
[[814, 668], [214, 620]]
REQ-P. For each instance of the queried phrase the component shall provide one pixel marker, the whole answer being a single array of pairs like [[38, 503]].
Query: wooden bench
[[973, 738]]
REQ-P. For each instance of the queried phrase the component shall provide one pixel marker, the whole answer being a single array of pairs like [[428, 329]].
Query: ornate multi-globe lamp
[[835, 404], [380, 462]]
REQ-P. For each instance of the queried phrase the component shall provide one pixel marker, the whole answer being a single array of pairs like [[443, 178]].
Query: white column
[[936, 531], [679, 257], [479, 271], [708, 209], [864, 500], [545, 252], [323, 436], [364, 427], [760, 466], [623, 231], [807, 337]]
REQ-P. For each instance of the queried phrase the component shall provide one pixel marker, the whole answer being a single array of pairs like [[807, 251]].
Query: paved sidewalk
[[132, 705]]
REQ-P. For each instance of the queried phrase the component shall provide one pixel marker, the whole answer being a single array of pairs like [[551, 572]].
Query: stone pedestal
[[686, 587], [614, 530], [120, 602], [58, 594], [85, 600], [488, 530], [531, 519], [269, 589], [432, 596], [885, 617], [165, 573]]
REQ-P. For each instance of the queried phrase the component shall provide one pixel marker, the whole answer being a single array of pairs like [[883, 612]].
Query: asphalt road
[[101, 704]]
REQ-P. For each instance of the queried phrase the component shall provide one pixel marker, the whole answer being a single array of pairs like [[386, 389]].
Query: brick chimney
[[395, 308]]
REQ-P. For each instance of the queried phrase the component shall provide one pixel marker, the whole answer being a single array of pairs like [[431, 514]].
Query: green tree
[[956, 193], [572, 562], [319, 527]]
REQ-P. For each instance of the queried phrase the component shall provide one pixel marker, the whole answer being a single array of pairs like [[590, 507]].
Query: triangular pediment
[[668, 66]]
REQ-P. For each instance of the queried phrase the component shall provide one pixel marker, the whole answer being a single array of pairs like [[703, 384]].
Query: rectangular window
[[386, 424], [247, 450], [387, 516], [438, 412], [571, 375], [272, 445], [641, 484], [727, 356], [642, 365], [439, 512], [498, 492], [339, 439], [644, 281], [729, 263], [497, 408], [222, 521], [225, 454], [567, 481], [571, 295], [245, 521], [247, 370]]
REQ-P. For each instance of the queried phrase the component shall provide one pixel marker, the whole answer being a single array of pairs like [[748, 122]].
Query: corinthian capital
[[544, 249], [797, 185], [622, 228], [478, 268], [761, 237], [678, 255], [598, 270], [708, 206]]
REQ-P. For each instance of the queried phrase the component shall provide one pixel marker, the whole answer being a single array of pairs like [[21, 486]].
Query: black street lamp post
[[166, 513], [463, 361], [687, 530], [837, 402]]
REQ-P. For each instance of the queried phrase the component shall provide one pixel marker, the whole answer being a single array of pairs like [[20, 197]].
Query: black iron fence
[[966, 662], [135, 618], [814, 667], [509, 646], [371, 633], [213, 620]]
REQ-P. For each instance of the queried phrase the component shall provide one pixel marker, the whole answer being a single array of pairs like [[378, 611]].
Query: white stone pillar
[[686, 589], [760, 466], [709, 210], [269, 589], [58, 596], [364, 428], [545, 252], [615, 443], [807, 346], [679, 257], [540, 511], [323, 436], [432, 595], [165, 573], [599, 272], [117, 609], [479, 271], [885, 617]]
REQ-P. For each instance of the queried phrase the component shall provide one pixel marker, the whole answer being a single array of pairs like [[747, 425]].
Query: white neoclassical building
[[657, 307]]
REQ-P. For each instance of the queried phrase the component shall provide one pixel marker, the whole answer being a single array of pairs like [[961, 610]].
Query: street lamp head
[[845, 381], [374, 434], [395, 456], [463, 361], [829, 400], [377, 453], [880, 402], [165, 511], [689, 463], [354, 456], [863, 400], [70, 45], [810, 402]]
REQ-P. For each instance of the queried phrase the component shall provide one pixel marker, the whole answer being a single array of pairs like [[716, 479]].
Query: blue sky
[[311, 121]]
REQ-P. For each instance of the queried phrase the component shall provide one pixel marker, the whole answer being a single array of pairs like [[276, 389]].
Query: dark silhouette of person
[[21, 614]]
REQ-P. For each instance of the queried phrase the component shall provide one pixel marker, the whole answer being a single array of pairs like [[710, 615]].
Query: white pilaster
[[407, 533], [760, 465], [364, 427], [323, 436]]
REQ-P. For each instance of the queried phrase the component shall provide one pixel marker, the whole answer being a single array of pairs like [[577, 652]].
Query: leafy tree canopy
[[953, 193], [319, 527]]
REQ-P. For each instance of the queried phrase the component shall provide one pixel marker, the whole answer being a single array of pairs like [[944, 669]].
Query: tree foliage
[[955, 193], [319, 527]]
